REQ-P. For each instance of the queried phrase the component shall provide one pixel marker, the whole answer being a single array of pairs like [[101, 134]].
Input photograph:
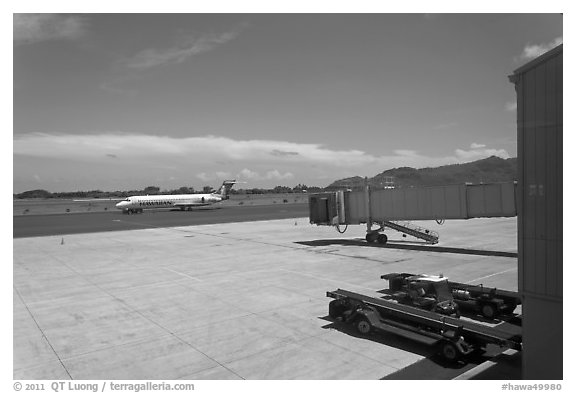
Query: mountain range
[[489, 170]]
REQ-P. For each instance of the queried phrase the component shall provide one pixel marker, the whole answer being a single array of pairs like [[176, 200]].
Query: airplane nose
[[120, 205]]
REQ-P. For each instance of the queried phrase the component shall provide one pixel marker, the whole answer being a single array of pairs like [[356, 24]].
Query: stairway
[[413, 230]]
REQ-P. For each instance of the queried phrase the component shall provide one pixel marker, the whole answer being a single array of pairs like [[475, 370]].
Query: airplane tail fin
[[225, 188]]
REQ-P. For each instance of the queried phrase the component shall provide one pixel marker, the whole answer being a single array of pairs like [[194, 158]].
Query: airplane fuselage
[[136, 204]]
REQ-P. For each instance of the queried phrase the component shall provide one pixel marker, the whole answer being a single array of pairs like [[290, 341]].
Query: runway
[[75, 223]]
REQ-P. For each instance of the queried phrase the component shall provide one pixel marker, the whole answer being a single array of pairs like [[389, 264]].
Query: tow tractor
[[423, 291], [489, 302], [454, 338]]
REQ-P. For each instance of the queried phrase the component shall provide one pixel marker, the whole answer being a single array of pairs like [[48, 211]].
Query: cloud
[[203, 176], [32, 28], [89, 147], [247, 174], [151, 57], [475, 145], [276, 175], [533, 51], [477, 154], [406, 153], [219, 175], [415, 159], [281, 153], [511, 106], [215, 158]]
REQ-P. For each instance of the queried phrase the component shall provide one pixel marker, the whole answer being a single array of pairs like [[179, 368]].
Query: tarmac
[[243, 300]]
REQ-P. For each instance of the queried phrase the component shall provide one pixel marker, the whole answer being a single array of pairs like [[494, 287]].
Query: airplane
[[137, 204]]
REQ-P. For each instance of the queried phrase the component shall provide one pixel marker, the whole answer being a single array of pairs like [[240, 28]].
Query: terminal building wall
[[539, 119]]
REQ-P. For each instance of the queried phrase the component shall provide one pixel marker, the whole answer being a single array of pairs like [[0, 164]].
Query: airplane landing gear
[[133, 211]]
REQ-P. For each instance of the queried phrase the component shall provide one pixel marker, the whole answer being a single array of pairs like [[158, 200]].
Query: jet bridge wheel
[[371, 237], [382, 238]]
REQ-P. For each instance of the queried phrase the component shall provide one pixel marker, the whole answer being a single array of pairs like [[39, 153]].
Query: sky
[[126, 101]]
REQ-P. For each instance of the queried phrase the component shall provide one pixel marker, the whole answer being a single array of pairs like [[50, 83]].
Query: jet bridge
[[393, 207]]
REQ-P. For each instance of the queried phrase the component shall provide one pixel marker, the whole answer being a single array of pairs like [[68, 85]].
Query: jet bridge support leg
[[372, 235]]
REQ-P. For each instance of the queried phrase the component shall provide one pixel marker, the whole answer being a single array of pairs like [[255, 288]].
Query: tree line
[[154, 190]]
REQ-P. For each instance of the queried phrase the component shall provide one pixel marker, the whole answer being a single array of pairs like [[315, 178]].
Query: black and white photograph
[[306, 196]]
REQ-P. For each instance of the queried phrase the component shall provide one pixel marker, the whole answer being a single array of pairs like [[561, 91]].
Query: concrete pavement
[[226, 301]]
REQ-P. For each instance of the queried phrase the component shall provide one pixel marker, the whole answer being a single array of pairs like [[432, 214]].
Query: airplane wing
[[190, 203]]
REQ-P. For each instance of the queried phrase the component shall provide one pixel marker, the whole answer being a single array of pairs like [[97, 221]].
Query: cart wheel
[[488, 310], [382, 238], [449, 351], [363, 326]]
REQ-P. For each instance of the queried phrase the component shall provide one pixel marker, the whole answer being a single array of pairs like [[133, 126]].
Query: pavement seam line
[[492, 275], [146, 318], [42, 331]]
